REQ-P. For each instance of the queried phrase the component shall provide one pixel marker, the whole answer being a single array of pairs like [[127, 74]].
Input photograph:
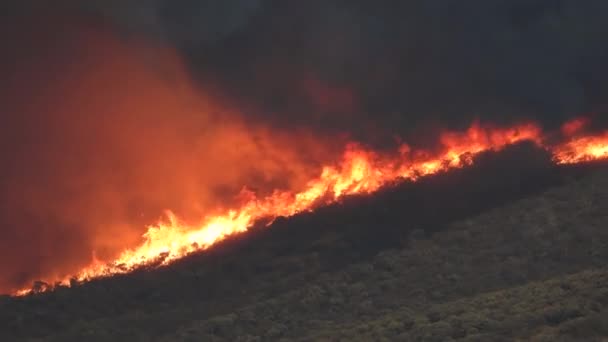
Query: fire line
[[361, 171]]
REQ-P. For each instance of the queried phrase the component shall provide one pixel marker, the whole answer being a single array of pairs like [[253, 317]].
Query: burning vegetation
[[104, 134], [361, 171]]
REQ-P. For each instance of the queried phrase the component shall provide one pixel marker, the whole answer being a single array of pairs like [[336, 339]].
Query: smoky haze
[[100, 135], [116, 110], [395, 66]]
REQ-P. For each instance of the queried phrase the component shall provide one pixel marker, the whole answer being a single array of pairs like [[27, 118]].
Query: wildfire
[[586, 148], [361, 171]]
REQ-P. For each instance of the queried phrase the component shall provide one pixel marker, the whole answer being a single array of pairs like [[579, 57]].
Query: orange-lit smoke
[[103, 136], [360, 171], [100, 135], [575, 126]]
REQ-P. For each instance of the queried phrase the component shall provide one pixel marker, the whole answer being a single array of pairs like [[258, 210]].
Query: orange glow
[[574, 126], [105, 131], [582, 149], [361, 171]]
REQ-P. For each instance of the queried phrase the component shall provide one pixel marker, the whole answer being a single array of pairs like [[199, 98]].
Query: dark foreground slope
[[520, 253]]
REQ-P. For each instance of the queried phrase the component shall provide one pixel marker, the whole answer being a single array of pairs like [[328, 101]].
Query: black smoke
[[389, 66]]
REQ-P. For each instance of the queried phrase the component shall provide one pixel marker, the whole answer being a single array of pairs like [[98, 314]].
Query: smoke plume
[[393, 66], [116, 110], [101, 134]]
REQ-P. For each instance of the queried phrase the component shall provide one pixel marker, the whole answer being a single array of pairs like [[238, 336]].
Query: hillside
[[512, 247]]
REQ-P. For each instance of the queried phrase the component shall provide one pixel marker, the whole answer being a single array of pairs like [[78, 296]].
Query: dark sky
[[389, 63], [395, 63], [114, 110]]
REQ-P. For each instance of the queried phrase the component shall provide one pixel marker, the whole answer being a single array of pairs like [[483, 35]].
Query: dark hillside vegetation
[[511, 247]]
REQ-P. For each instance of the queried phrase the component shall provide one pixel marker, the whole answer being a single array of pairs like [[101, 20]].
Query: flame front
[[581, 149], [361, 171]]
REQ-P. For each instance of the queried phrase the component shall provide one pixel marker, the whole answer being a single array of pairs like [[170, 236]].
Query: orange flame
[[361, 171], [575, 125], [582, 149]]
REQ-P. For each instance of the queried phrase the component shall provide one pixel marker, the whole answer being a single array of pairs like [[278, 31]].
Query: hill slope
[[531, 269], [520, 254]]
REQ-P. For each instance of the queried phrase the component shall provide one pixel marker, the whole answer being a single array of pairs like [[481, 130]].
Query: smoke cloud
[[100, 135], [394, 65], [116, 110]]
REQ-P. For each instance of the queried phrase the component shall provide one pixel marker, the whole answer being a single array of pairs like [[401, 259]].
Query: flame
[[361, 171], [575, 125], [582, 149]]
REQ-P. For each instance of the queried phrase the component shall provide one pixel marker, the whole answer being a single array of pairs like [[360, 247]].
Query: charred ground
[[512, 246]]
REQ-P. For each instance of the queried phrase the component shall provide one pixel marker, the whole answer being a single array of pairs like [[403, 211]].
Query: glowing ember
[[360, 171]]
